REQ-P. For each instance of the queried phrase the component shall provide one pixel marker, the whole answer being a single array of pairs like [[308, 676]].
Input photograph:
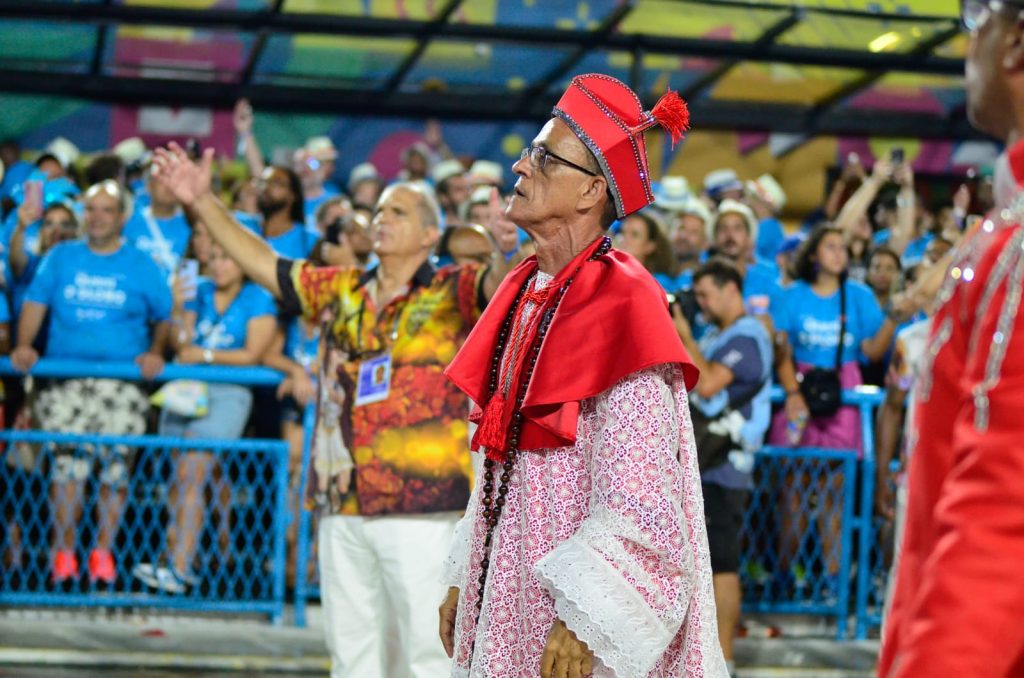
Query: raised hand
[[188, 181], [506, 233], [242, 118]]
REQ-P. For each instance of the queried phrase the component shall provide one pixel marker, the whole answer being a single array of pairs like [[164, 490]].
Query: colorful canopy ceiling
[[827, 66]]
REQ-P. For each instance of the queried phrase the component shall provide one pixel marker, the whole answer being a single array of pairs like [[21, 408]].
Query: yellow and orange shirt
[[411, 450]]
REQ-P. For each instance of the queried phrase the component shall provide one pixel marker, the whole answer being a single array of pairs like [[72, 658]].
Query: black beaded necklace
[[492, 505]]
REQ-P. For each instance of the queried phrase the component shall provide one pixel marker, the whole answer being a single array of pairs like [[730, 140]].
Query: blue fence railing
[[811, 542], [234, 543]]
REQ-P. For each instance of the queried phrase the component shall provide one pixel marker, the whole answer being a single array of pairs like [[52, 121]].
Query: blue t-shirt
[[812, 323], [101, 305], [227, 331], [761, 288], [295, 243], [299, 347], [745, 348], [914, 253], [165, 240], [311, 205], [769, 237]]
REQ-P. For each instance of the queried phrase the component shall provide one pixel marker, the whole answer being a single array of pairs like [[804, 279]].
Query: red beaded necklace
[[492, 506]]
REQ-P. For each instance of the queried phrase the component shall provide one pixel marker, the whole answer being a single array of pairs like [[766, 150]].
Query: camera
[[897, 155], [686, 302]]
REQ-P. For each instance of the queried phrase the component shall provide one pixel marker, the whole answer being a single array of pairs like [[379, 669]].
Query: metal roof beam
[[705, 114], [256, 51], [429, 30], [766, 39], [238, 20], [838, 12], [607, 27]]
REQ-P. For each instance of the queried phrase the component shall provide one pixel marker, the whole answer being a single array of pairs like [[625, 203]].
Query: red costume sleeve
[[965, 619]]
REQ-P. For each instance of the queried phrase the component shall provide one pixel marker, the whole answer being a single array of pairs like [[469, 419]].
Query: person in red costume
[[959, 595], [583, 550]]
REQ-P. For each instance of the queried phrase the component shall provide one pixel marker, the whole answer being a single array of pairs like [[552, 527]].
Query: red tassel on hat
[[672, 114]]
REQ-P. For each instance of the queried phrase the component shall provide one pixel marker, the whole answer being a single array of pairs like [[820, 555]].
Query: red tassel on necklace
[[493, 429]]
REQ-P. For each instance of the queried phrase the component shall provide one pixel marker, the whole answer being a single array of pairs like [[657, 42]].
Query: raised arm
[[190, 183], [243, 119], [857, 206]]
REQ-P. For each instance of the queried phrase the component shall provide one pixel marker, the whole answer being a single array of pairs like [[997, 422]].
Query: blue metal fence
[[811, 542], [239, 551], [239, 547]]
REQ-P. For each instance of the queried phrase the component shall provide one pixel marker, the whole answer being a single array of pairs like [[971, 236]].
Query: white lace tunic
[[607, 535]]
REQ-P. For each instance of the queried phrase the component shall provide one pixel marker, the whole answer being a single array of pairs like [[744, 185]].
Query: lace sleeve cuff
[[456, 565], [603, 610]]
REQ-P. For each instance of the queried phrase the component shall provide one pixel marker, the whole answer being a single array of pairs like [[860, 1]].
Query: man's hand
[[506, 233], [448, 611], [298, 385], [682, 324], [30, 210], [187, 180], [150, 364], [242, 118], [565, 656], [23, 358], [903, 175], [885, 500]]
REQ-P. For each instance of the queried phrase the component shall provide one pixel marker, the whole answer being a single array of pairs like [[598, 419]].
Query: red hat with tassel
[[608, 117]]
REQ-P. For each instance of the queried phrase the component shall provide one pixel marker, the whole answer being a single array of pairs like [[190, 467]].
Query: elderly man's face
[[549, 194], [732, 236], [398, 228]]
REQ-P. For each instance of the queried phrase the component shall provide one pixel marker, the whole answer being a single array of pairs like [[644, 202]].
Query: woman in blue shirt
[[228, 322], [808, 323]]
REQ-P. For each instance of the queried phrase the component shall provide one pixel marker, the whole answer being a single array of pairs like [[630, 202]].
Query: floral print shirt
[[410, 450]]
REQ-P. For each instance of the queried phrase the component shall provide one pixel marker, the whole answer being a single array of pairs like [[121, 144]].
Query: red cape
[[612, 322]]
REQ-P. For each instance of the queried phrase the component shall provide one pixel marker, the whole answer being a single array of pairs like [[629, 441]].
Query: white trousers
[[380, 585]]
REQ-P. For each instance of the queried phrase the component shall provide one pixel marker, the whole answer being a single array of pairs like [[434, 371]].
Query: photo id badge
[[374, 380]]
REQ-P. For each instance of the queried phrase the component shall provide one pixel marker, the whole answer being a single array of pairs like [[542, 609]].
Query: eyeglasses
[[974, 13], [539, 159]]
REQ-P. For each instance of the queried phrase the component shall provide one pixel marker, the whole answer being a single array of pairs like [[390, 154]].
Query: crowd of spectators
[[99, 262]]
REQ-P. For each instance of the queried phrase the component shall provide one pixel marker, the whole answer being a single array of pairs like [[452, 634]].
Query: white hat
[[729, 206], [321, 148], [487, 172], [62, 149], [130, 150], [366, 171], [481, 195], [768, 190], [697, 208], [722, 180], [446, 169], [672, 193]]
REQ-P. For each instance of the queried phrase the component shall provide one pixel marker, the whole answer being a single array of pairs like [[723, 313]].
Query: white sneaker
[[163, 578]]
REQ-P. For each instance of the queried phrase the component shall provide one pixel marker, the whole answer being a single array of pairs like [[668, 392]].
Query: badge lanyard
[[374, 381]]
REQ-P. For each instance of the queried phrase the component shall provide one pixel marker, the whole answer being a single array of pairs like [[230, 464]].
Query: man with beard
[[734, 235], [957, 605], [282, 219]]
